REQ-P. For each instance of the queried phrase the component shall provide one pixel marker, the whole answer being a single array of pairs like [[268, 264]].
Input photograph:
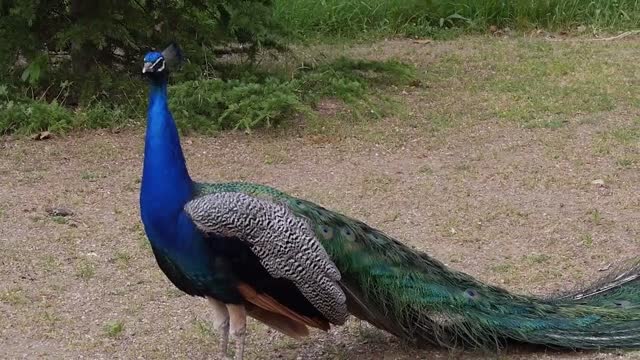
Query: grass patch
[[425, 170], [353, 18], [626, 162], [623, 136], [440, 122], [203, 329], [122, 259], [543, 87], [595, 216], [144, 244], [370, 334], [50, 319], [49, 264], [211, 105], [532, 83], [141, 238], [350, 18], [377, 184], [85, 270], [503, 268], [587, 240], [113, 329], [59, 219], [90, 176], [537, 258], [620, 142], [13, 297]]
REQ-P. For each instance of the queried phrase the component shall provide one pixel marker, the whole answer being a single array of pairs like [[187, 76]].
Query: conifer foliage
[[85, 46]]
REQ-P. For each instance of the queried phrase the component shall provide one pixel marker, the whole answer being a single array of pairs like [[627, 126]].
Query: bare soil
[[532, 209]]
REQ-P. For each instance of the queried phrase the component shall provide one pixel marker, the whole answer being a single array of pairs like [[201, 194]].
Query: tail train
[[419, 299]]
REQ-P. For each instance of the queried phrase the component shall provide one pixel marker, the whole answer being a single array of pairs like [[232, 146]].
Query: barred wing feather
[[285, 244]]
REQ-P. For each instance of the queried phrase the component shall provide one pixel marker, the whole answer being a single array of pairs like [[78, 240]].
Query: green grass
[[59, 219], [533, 83], [596, 217], [113, 329], [536, 258], [544, 82], [587, 240], [90, 176], [49, 263], [625, 136], [122, 259], [355, 18], [85, 269], [626, 162], [347, 18], [619, 141], [13, 297], [203, 329], [503, 268]]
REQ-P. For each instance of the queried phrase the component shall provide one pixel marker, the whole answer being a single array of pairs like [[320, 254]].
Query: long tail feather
[[420, 300]]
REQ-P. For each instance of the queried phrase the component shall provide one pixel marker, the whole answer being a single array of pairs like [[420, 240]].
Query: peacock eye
[[471, 294], [158, 65]]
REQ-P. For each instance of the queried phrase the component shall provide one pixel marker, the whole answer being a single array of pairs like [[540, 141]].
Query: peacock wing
[[285, 243]]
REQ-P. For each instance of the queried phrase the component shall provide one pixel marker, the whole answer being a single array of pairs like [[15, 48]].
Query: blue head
[[156, 64]]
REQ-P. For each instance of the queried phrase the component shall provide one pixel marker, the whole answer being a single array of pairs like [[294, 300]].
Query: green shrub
[[254, 98], [103, 115], [264, 101], [28, 116], [210, 105], [96, 44]]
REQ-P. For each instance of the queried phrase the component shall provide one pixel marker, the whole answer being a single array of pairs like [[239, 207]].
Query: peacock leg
[[221, 323], [238, 325]]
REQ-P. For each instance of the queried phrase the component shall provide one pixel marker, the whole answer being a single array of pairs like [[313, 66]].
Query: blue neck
[[166, 185]]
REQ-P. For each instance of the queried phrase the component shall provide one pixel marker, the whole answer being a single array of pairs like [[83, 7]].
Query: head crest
[[172, 55]]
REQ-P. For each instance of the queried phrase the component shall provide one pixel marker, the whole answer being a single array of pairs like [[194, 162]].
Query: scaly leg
[[238, 325], [221, 323]]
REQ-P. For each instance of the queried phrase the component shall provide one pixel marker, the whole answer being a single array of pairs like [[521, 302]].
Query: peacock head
[[156, 64]]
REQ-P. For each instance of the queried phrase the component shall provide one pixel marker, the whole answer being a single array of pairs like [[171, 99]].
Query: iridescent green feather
[[420, 300]]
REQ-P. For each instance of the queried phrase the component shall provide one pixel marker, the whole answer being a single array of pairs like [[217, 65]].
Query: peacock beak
[[147, 67]]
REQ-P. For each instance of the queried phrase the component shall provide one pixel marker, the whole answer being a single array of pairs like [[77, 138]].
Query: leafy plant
[[264, 101], [28, 116], [210, 105], [92, 44]]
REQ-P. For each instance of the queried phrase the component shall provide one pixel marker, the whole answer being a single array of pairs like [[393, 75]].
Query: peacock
[[252, 250]]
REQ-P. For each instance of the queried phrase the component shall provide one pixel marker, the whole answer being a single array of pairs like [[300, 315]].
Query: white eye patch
[[160, 60]]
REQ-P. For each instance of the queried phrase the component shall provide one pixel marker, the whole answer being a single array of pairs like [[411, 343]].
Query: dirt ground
[[525, 180]]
